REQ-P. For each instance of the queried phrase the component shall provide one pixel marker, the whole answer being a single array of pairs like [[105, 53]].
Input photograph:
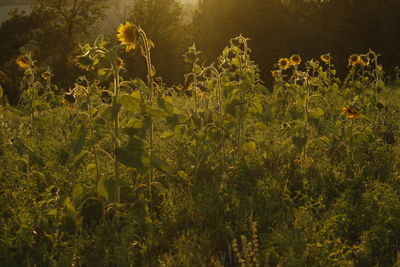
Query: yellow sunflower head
[[22, 62], [127, 35], [351, 112], [354, 59], [283, 63], [364, 60], [295, 60], [326, 58]]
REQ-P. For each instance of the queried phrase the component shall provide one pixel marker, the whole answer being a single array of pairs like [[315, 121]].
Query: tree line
[[276, 28]]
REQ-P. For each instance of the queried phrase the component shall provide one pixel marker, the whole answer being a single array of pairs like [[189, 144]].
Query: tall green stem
[[306, 120], [196, 104], [221, 117], [93, 138], [242, 100], [116, 125], [150, 84]]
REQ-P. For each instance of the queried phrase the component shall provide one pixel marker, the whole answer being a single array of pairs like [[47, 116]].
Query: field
[[220, 171]]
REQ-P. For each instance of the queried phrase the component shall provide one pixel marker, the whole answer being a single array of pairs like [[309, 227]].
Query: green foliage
[[130, 172]]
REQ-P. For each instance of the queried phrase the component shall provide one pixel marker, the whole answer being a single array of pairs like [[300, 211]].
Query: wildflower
[[120, 63], [283, 63], [354, 59], [364, 60], [84, 62], [22, 62], [295, 60], [351, 112], [127, 36], [46, 76], [326, 58], [275, 73]]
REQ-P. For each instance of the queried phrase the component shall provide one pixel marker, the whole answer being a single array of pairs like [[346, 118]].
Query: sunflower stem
[[116, 126], [147, 55]]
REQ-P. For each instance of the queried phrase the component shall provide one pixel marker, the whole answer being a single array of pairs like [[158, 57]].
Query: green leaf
[[261, 126], [91, 171], [134, 102], [109, 112], [161, 165], [316, 113], [132, 159], [77, 160], [135, 144], [160, 188], [166, 104], [141, 85], [78, 139], [70, 209], [183, 175], [256, 107], [77, 193], [325, 139], [250, 147], [108, 188], [133, 127], [167, 134], [299, 142], [157, 111]]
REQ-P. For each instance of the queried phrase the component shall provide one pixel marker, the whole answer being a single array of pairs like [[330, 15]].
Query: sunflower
[[351, 112], [275, 73], [354, 59], [326, 58], [364, 60], [46, 76], [120, 63], [84, 62], [69, 98], [22, 62], [295, 60], [283, 63], [127, 36]]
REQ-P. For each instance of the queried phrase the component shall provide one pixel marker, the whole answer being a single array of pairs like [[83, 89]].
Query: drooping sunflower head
[[23, 62], [354, 59], [283, 63], [120, 63], [69, 100], [127, 36], [275, 74], [295, 60], [364, 60], [84, 62], [326, 58], [351, 112]]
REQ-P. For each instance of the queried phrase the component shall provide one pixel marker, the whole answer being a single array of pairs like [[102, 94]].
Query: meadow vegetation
[[220, 171]]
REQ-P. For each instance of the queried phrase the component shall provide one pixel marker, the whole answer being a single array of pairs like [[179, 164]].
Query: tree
[[279, 28], [162, 20], [66, 24]]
